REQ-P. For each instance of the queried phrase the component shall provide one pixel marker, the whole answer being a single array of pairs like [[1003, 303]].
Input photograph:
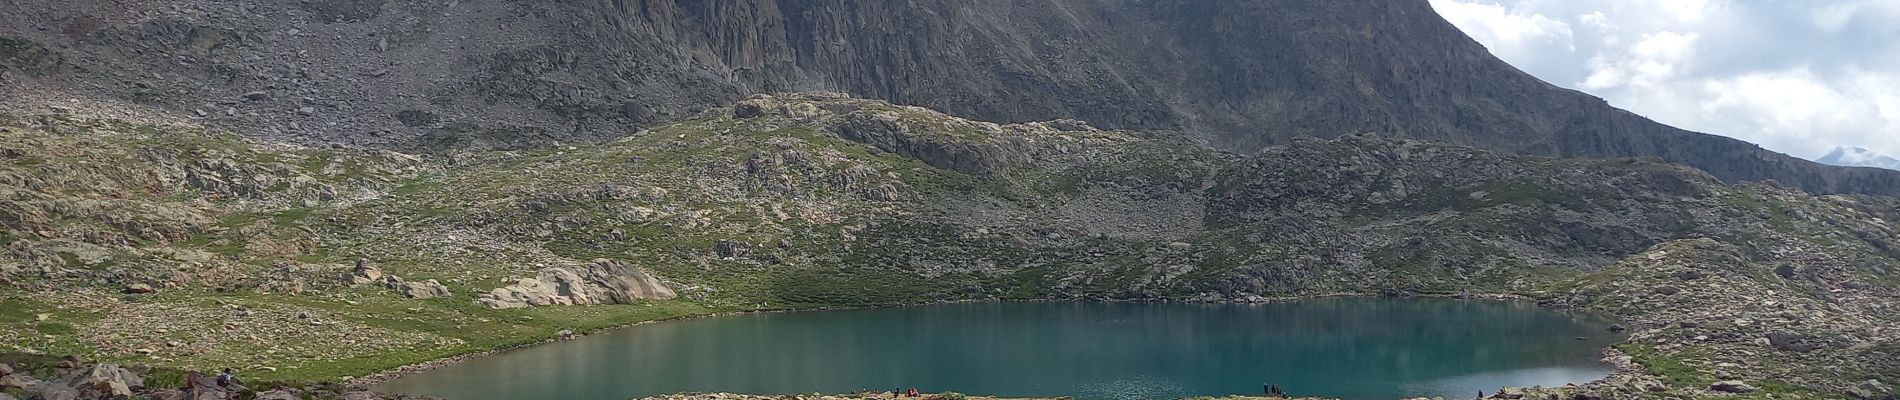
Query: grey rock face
[[105, 381], [566, 71], [599, 282]]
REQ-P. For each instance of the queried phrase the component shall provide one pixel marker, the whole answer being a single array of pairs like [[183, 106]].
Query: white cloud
[[1507, 33], [1796, 77], [1653, 60], [1596, 19]]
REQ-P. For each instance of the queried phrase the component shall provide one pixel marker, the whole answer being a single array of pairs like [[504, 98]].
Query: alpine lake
[[1347, 347]]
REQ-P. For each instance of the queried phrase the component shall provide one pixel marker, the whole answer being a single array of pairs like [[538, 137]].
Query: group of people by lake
[[895, 392]]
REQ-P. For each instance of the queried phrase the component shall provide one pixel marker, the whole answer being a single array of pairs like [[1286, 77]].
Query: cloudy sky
[[1795, 76]]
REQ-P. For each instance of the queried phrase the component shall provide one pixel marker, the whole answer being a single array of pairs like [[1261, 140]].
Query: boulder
[[363, 273], [52, 391], [70, 361], [139, 288], [17, 382], [731, 248], [277, 395], [428, 289], [1731, 387], [756, 106], [105, 381], [1785, 271], [1790, 341], [1871, 389], [167, 394], [1667, 290], [599, 282], [6, 369], [210, 394], [4, 396]]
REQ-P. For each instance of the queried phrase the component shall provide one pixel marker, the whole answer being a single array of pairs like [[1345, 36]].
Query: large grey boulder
[[277, 395], [17, 382], [1731, 387], [105, 381], [731, 248], [427, 289], [139, 288], [166, 394], [599, 282], [52, 391], [363, 273]]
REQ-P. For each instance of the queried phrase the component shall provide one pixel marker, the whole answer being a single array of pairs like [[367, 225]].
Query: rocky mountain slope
[[486, 73], [184, 247]]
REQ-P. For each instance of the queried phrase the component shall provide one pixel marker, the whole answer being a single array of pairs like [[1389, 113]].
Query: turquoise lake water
[[1352, 348]]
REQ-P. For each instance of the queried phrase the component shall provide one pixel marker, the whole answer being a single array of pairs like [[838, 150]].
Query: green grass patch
[[1673, 368], [55, 328], [291, 216]]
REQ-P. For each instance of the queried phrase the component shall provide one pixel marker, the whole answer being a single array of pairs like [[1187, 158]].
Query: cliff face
[[1241, 74]]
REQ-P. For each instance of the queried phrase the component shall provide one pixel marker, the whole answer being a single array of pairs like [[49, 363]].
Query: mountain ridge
[[1242, 75]]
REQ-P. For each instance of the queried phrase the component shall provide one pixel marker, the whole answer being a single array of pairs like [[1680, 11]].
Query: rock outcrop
[[1731, 387], [363, 273], [599, 282], [105, 381], [425, 289]]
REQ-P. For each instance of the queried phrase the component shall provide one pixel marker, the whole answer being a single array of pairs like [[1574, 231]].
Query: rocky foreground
[[887, 396], [73, 378], [184, 248]]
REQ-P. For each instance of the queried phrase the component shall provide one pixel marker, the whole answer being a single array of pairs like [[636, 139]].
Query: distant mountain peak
[[1850, 156]]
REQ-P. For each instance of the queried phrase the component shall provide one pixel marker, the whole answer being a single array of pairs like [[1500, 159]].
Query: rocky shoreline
[[379, 378]]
